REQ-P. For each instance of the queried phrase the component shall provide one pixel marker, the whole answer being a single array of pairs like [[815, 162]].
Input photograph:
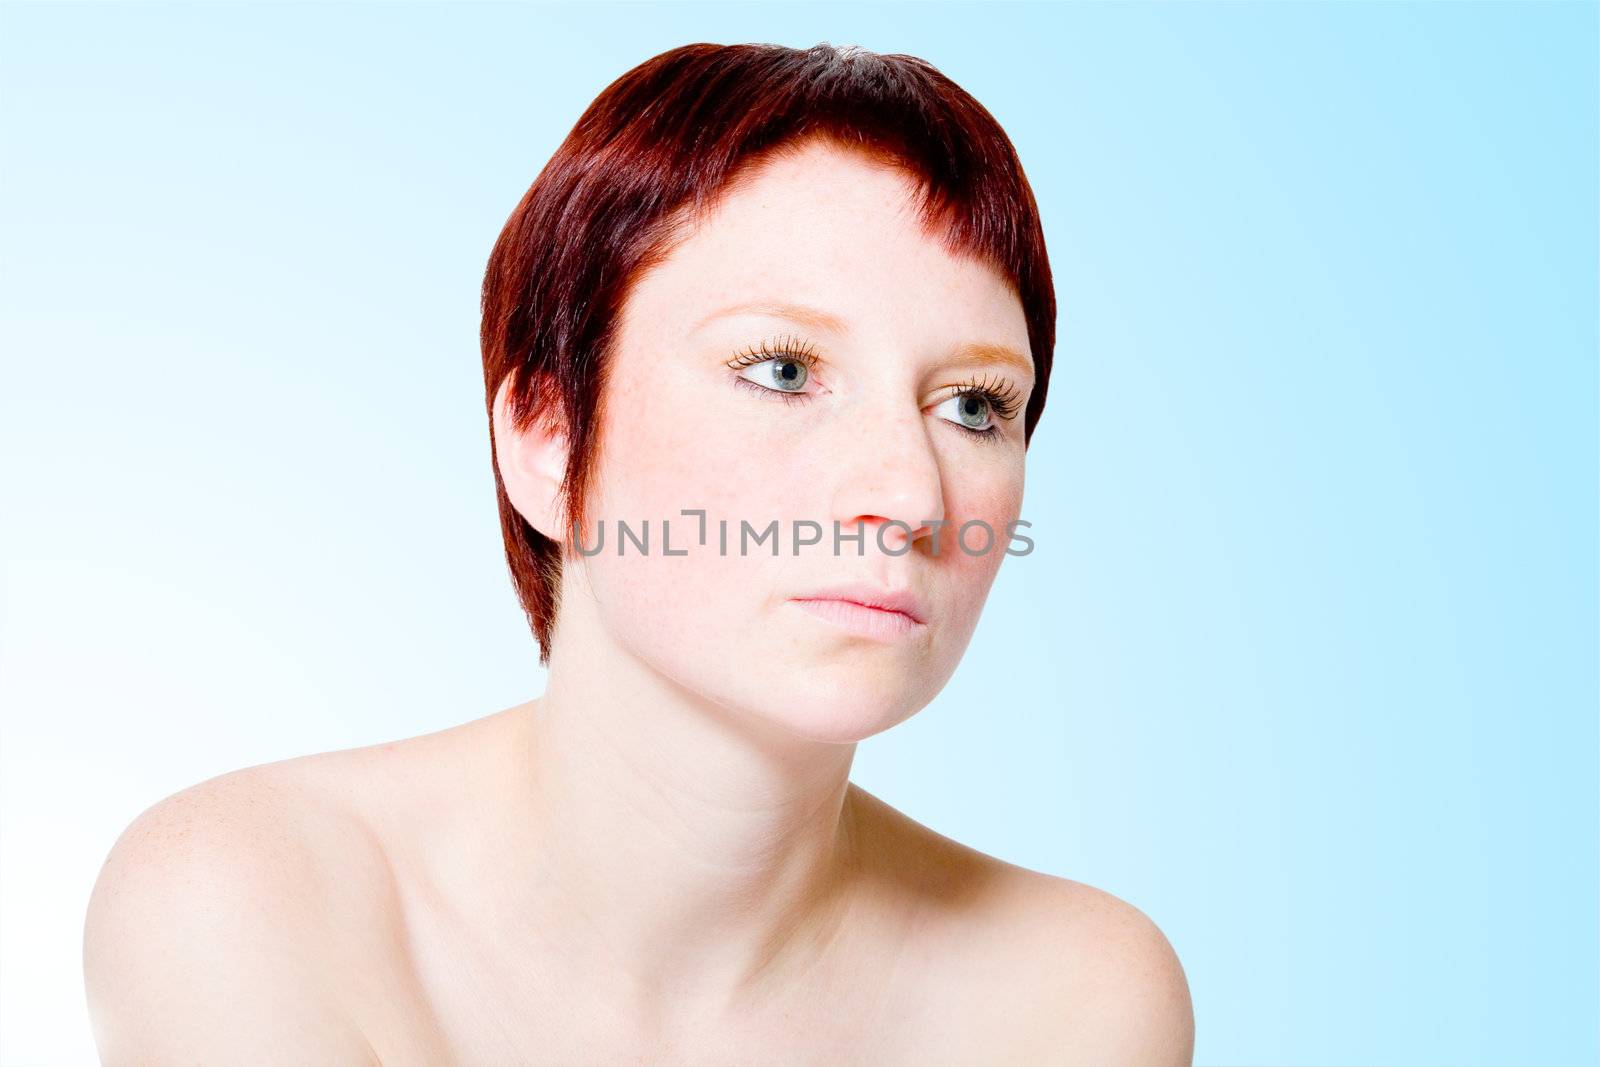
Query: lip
[[886, 601], [876, 624]]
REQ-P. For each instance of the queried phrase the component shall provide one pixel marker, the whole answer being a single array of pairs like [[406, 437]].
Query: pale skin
[[661, 859]]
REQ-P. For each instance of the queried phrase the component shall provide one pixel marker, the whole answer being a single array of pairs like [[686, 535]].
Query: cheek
[[692, 447], [666, 452], [684, 449], [983, 504]]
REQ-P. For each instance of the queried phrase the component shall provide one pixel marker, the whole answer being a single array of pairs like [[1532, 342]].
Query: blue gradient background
[[1303, 664]]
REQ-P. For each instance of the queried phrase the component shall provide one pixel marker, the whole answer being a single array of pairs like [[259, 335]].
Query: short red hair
[[653, 154]]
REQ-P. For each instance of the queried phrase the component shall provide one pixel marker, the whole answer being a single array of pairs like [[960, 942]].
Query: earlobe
[[533, 464]]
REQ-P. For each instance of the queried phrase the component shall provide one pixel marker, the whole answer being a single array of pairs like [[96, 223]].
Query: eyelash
[[1000, 395]]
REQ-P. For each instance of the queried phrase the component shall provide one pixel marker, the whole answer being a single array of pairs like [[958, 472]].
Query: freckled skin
[[661, 859], [877, 439]]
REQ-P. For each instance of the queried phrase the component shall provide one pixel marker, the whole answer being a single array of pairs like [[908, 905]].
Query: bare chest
[[451, 1001]]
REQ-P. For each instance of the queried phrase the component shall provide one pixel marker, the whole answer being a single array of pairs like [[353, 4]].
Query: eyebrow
[[971, 352], [804, 314], [983, 353]]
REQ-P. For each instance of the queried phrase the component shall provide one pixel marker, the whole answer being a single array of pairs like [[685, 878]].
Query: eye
[[779, 368], [783, 374], [972, 411], [978, 402]]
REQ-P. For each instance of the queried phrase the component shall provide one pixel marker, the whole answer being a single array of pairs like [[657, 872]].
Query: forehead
[[833, 229]]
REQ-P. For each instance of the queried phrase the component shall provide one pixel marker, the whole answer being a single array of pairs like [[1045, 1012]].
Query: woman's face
[[821, 254]]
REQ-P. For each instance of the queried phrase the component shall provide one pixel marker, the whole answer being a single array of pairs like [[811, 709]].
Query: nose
[[891, 473]]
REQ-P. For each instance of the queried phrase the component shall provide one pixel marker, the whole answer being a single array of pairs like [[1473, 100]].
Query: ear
[[532, 464]]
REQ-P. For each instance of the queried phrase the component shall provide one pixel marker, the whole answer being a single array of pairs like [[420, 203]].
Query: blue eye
[[777, 369], [782, 374], [973, 411], [979, 402], [780, 369]]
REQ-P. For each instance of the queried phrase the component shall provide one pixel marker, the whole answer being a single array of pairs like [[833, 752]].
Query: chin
[[836, 707]]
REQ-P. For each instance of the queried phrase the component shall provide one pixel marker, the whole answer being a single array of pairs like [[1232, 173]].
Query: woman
[[756, 287]]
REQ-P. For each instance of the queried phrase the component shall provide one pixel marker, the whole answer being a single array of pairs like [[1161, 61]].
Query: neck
[[680, 843]]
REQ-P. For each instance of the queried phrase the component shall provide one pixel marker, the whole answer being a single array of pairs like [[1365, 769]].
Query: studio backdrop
[[1302, 663]]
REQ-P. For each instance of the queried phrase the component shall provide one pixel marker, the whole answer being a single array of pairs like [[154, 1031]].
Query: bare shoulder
[[1112, 986], [214, 929], [1061, 971]]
